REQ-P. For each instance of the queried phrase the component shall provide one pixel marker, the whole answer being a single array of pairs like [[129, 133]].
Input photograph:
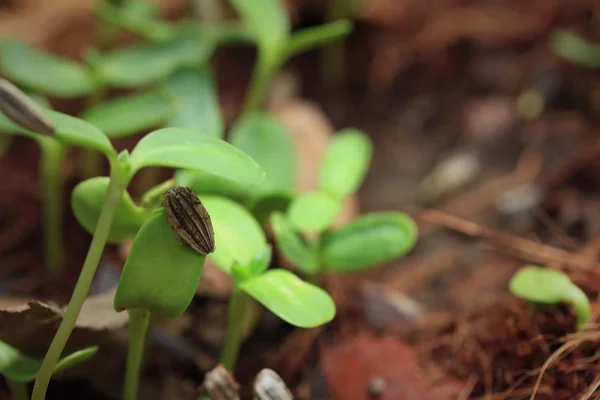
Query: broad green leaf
[[543, 285], [370, 239], [139, 17], [290, 298], [74, 131], [313, 212], [128, 115], [269, 143], [87, 199], [20, 367], [575, 49], [142, 64], [189, 149], [205, 183], [161, 273], [263, 204], [345, 163], [267, 20], [292, 246], [310, 38], [44, 72], [238, 236], [197, 103]]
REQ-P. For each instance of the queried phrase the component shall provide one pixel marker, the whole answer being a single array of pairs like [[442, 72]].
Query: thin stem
[[50, 172], [139, 321], [261, 77], [116, 187], [91, 160], [233, 337], [334, 54], [18, 390]]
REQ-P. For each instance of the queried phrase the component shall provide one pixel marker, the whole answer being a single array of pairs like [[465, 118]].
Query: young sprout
[[269, 24], [547, 286], [242, 251], [160, 275], [304, 233], [168, 147], [25, 117], [19, 369]]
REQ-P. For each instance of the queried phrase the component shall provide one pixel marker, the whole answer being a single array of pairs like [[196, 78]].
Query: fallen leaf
[[350, 367]]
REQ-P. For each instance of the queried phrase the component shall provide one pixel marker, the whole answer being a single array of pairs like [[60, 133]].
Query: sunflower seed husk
[[269, 386], [220, 385], [189, 219], [23, 111]]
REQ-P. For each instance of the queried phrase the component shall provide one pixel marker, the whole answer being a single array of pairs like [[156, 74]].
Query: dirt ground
[[493, 182]]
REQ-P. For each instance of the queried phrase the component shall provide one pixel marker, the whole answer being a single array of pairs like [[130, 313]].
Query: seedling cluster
[[224, 196]]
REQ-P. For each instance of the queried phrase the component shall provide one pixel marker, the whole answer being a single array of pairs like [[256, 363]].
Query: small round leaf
[[543, 285], [290, 298], [345, 163], [76, 132], [161, 273], [370, 239], [189, 149], [238, 236], [313, 212], [87, 200]]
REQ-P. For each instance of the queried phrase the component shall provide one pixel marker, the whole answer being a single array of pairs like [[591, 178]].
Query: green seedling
[[19, 368], [551, 287], [243, 252], [268, 22], [161, 275], [167, 147], [304, 233], [575, 49]]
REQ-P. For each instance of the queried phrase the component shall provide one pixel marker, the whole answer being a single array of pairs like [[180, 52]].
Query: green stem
[[50, 172], [116, 187], [261, 77], [139, 321], [233, 337], [18, 390], [91, 160], [334, 54]]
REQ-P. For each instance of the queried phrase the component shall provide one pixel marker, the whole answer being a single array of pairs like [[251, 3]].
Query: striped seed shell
[[189, 219], [23, 111], [220, 384]]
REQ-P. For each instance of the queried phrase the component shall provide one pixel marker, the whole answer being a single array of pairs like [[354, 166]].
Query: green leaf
[[87, 199], [128, 115], [543, 285], [23, 368], [161, 273], [142, 64], [290, 298], [292, 246], [313, 212], [267, 20], [205, 183], [198, 106], [310, 38], [238, 236], [139, 17], [345, 163], [575, 49], [270, 144], [370, 239], [261, 260], [74, 131], [44, 72], [189, 149]]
